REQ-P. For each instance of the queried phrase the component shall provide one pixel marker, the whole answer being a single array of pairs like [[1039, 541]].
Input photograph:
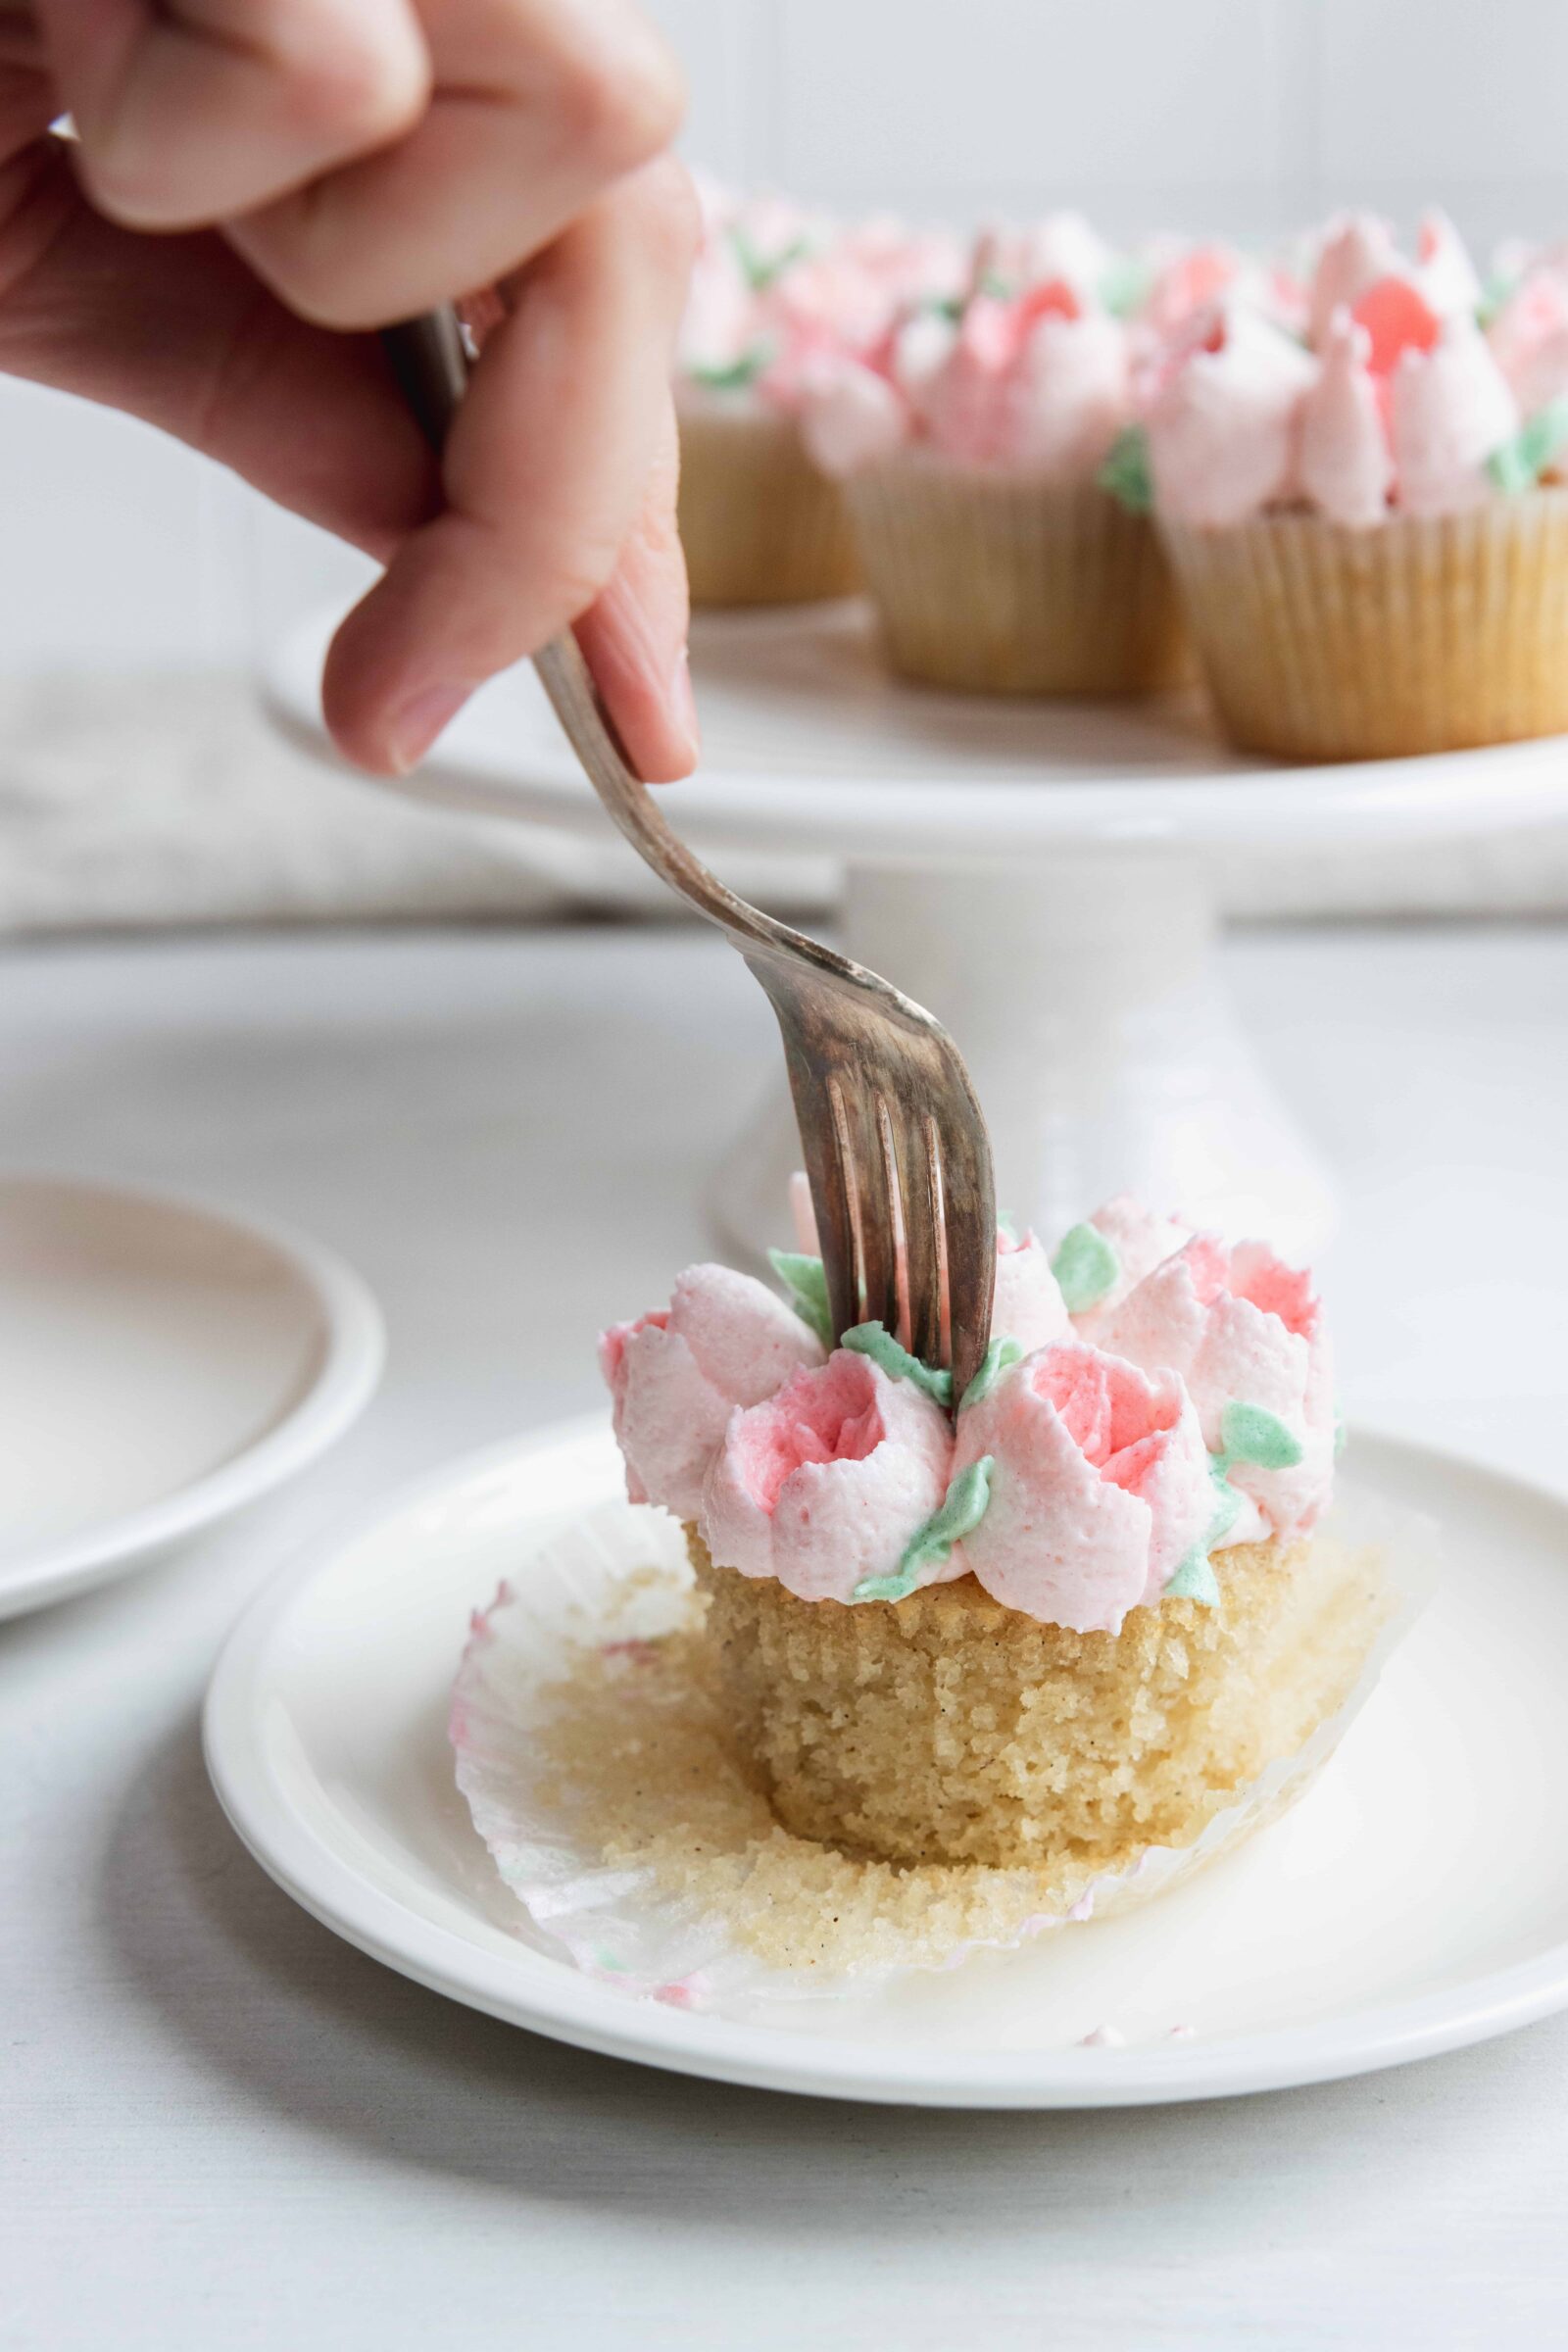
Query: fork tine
[[969, 1224], [920, 1182], [829, 1177], [876, 1185]]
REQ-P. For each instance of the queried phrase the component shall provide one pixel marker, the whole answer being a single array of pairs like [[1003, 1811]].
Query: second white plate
[[161, 1364], [1418, 1899]]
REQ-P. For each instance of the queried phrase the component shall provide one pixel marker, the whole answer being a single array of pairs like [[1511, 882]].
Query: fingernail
[[420, 719], [683, 702]]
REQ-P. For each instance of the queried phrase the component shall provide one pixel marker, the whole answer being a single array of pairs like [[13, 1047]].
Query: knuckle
[[360, 96], [619, 103]]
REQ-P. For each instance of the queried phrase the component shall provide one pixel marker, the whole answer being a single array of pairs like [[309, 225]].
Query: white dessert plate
[[161, 1364], [1415, 1901]]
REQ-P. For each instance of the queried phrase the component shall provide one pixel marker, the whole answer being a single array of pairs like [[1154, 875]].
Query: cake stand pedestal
[[1038, 874]]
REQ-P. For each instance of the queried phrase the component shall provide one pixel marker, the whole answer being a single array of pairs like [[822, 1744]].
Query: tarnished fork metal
[[895, 1144]]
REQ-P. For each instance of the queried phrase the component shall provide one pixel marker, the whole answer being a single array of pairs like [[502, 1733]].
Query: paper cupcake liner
[[583, 1729], [1428, 633], [760, 524], [996, 584]]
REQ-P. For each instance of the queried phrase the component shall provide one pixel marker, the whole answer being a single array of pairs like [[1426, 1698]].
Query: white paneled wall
[[1243, 115]]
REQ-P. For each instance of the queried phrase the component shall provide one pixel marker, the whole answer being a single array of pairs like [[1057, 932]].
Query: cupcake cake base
[[595, 1743], [947, 1728], [1426, 633], [997, 584], [759, 523]]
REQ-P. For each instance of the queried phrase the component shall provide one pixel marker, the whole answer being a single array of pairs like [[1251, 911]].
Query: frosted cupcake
[[1066, 1622], [1366, 523], [773, 288], [970, 443]]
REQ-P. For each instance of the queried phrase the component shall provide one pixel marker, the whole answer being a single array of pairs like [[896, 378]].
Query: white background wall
[[1245, 115]]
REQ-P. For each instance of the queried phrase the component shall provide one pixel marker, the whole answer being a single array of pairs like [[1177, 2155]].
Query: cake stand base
[[1100, 1037]]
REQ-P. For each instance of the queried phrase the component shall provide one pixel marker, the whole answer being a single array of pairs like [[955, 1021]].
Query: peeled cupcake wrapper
[[617, 1581], [1427, 633]]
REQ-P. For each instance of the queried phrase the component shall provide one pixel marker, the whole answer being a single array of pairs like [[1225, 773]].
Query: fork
[[895, 1144]]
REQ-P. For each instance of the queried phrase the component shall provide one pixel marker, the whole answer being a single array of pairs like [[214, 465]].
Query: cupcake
[[773, 288], [1066, 1622], [970, 443], [1367, 523]]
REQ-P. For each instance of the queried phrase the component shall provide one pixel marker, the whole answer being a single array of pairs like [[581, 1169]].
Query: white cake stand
[[1037, 873]]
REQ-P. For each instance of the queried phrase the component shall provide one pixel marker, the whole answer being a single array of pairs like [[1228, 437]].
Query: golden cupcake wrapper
[[996, 584], [1428, 633], [760, 524]]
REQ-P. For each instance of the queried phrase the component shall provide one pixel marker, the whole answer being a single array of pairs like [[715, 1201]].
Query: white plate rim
[[353, 1360], [574, 2009]]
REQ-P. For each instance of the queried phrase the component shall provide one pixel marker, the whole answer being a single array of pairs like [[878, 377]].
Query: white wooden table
[[219, 2127]]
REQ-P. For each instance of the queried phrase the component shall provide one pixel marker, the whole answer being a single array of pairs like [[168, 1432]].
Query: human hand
[[255, 186]]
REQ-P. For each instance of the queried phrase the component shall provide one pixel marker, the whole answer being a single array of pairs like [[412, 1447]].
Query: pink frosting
[[1240, 1327], [1529, 337], [1398, 405], [828, 1482], [1140, 1241], [676, 1376], [1100, 1486], [1038, 381], [1450, 409], [1222, 424], [1355, 253], [1344, 464], [1027, 1306], [1359, 251], [821, 1470]]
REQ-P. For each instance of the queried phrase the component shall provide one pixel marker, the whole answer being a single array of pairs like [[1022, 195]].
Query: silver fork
[[895, 1144]]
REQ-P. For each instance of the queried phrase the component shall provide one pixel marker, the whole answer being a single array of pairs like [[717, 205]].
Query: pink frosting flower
[[828, 1483], [1222, 424], [1134, 1240], [1529, 338], [1242, 1330], [1345, 465], [850, 416], [1027, 1305], [1099, 1486], [675, 1378], [1357, 250], [1450, 410]]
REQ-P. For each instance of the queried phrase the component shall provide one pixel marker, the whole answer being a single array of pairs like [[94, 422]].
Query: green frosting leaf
[[762, 270], [1124, 286], [1493, 294], [945, 306], [805, 1281], [874, 1340], [1125, 472], [995, 1361], [962, 1510], [1084, 1266], [1519, 464], [738, 373], [1249, 1434], [996, 287], [1194, 1579]]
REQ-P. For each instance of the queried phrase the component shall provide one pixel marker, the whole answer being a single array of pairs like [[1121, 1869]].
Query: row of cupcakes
[[1059, 468]]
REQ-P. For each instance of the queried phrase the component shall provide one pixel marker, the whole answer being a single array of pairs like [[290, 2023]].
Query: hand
[[255, 186]]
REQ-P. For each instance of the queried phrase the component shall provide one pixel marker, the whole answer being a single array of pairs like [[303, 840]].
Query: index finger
[[188, 112]]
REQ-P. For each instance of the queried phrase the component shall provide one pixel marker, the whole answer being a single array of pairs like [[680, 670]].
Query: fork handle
[[430, 361]]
